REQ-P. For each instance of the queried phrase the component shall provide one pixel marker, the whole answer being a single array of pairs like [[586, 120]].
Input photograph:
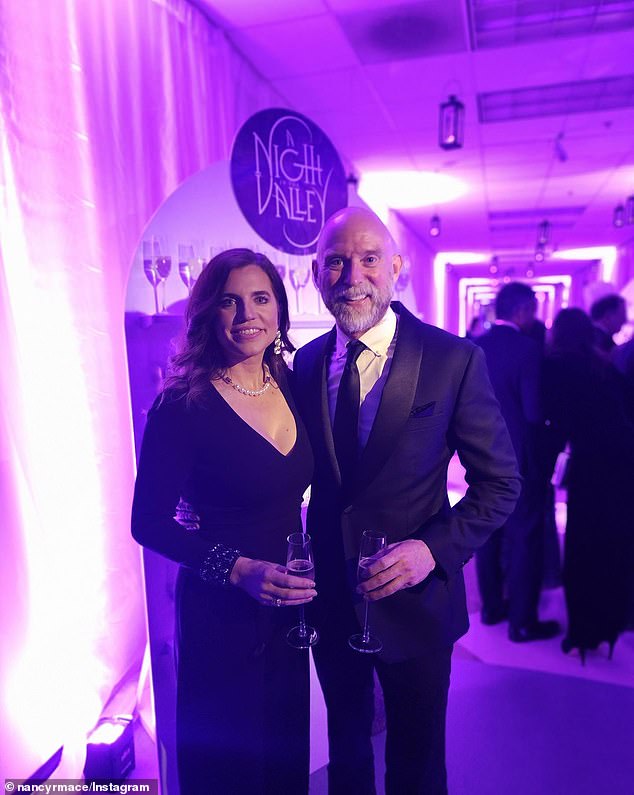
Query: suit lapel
[[318, 398], [397, 399]]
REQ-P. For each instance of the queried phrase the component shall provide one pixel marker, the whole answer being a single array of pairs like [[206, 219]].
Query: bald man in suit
[[421, 394]]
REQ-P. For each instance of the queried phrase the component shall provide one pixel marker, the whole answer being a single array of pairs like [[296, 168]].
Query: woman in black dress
[[225, 436], [585, 405]]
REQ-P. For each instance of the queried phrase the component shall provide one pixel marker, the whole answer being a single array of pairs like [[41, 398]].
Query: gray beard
[[351, 321]]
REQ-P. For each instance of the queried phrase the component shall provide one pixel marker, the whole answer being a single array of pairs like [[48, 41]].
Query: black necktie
[[346, 424]]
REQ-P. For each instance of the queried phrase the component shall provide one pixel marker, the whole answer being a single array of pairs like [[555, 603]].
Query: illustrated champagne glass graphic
[[402, 281], [372, 542], [280, 267], [299, 562], [299, 276]]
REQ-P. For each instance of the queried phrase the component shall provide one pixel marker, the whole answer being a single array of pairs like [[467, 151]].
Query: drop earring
[[277, 343]]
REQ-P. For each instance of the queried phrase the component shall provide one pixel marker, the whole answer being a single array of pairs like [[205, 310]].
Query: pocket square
[[423, 411]]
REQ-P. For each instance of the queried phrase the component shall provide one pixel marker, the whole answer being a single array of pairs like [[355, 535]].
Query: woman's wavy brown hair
[[198, 356]]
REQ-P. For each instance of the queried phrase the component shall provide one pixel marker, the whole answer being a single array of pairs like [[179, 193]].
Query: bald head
[[358, 219], [356, 268]]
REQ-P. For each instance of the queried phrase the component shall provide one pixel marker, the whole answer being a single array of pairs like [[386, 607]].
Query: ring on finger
[[277, 602]]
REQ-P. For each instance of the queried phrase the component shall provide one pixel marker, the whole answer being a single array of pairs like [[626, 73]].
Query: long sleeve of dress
[[167, 457]]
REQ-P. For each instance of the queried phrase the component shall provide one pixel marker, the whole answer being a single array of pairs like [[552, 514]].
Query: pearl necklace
[[250, 392]]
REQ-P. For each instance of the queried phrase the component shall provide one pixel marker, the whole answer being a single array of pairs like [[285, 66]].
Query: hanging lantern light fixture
[[629, 210], [618, 219], [543, 233], [451, 124], [434, 226], [540, 252]]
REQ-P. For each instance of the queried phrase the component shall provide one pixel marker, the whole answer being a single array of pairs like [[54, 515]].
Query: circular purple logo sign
[[287, 179]]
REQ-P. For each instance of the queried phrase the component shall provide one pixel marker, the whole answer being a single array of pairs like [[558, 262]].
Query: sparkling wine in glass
[[372, 542], [163, 267], [299, 276], [189, 266], [299, 562], [151, 253]]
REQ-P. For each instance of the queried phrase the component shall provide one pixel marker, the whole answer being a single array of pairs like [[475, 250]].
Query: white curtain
[[106, 108]]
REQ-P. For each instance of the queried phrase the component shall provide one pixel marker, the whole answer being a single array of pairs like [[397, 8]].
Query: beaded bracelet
[[217, 566]]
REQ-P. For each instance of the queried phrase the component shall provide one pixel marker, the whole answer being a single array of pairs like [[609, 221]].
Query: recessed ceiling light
[[462, 257], [402, 190], [606, 254], [589, 253]]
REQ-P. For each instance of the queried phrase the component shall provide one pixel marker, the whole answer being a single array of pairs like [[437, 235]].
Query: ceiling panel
[[521, 131], [340, 89], [431, 79], [344, 6], [553, 62], [411, 30], [300, 47], [246, 13]]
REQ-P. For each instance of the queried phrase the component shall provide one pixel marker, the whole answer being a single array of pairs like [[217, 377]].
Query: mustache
[[352, 293]]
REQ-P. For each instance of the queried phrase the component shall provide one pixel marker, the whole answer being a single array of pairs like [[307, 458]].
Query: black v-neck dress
[[242, 692]]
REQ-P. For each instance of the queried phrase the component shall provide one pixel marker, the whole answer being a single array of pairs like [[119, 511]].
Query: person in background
[[536, 331], [585, 405], [224, 438], [623, 360], [412, 395], [609, 315], [551, 569], [477, 327], [510, 564]]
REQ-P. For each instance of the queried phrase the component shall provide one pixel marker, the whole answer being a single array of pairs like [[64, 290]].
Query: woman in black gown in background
[[225, 436], [585, 405]]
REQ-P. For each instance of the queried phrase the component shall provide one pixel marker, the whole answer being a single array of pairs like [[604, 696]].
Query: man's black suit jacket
[[514, 365], [437, 399]]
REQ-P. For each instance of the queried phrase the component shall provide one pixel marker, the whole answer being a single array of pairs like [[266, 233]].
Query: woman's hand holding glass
[[270, 584], [299, 558]]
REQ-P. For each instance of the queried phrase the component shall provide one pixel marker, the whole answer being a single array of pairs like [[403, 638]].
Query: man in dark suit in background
[[512, 558], [415, 395], [609, 315]]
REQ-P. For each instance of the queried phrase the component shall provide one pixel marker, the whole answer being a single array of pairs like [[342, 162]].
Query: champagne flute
[[150, 256], [163, 268], [299, 562], [299, 276], [189, 266], [372, 542]]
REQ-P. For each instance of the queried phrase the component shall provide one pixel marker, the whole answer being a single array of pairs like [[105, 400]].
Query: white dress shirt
[[373, 365]]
